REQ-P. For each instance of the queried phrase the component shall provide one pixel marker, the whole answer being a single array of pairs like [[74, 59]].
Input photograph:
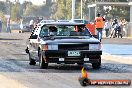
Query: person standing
[[31, 23], [99, 25], [38, 20], [21, 24], [107, 28], [8, 25], [116, 32], [34, 24]]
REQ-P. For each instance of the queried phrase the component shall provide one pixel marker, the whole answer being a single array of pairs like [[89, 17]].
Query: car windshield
[[78, 30]]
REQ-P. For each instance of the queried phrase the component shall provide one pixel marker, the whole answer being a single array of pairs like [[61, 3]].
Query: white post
[[81, 9], [92, 6], [95, 11], [73, 9], [89, 14], [130, 13]]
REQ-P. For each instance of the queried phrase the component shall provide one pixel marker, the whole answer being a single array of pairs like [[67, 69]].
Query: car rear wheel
[[42, 63], [31, 61], [98, 64]]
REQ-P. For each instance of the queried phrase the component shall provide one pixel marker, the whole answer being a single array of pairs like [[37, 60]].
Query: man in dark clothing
[[38, 20], [117, 29]]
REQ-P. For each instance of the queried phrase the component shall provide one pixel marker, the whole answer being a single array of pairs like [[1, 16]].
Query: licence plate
[[86, 59], [61, 59], [73, 53]]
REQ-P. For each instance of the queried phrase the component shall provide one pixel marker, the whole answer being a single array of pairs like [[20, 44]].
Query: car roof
[[77, 19], [64, 23], [46, 21]]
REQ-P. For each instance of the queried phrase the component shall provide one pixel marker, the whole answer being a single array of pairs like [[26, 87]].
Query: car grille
[[74, 47]]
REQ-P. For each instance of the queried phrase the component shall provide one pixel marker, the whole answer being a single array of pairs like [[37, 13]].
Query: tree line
[[61, 9]]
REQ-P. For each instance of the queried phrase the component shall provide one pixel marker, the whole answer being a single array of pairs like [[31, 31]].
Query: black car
[[64, 42]]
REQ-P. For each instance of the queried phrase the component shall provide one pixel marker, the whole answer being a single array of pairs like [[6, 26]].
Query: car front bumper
[[61, 56]]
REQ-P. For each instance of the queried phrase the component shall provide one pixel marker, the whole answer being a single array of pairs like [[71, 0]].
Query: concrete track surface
[[15, 71]]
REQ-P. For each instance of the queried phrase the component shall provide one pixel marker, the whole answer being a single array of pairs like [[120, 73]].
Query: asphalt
[[117, 40], [15, 71]]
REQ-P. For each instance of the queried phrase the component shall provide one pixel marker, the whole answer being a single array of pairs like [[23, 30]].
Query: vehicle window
[[52, 30], [64, 31], [43, 32], [73, 31]]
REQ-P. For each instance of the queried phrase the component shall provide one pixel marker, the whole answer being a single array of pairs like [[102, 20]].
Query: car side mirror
[[33, 37]]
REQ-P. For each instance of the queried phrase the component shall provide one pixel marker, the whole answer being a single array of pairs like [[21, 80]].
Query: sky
[[36, 2]]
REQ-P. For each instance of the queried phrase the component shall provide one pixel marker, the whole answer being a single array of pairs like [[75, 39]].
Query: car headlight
[[94, 46], [50, 47]]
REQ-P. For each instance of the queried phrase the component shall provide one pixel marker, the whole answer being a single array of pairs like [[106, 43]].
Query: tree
[[63, 9], [78, 9], [24, 6], [2, 17], [3, 7], [15, 11], [115, 12]]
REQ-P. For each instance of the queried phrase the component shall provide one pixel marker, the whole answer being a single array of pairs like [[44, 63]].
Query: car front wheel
[[31, 61]]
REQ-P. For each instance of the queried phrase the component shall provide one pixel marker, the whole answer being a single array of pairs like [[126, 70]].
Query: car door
[[33, 46]]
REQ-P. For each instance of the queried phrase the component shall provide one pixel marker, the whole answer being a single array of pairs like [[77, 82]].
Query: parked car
[[16, 28], [64, 42]]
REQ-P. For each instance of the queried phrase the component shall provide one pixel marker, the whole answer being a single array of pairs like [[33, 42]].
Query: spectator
[[35, 24], [107, 28], [21, 24], [31, 24], [99, 24], [8, 25], [116, 32], [38, 20]]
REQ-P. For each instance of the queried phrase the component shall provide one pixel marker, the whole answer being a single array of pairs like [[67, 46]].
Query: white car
[[59, 42], [79, 21]]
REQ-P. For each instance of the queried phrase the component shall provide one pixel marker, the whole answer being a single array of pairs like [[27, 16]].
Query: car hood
[[71, 40]]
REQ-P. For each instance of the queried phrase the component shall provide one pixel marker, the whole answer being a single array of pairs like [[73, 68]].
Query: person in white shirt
[[107, 28], [31, 25]]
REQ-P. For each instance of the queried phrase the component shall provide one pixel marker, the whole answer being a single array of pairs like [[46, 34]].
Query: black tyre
[[98, 64], [31, 61], [27, 50], [80, 63], [42, 63]]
